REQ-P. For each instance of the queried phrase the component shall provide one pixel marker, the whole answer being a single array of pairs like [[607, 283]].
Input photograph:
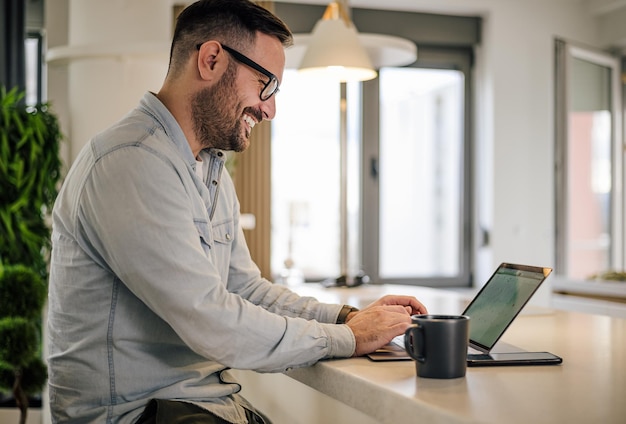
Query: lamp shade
[[334, 51], [383, 50]]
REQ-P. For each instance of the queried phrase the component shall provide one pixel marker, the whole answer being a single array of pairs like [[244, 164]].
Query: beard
[[216, 120]]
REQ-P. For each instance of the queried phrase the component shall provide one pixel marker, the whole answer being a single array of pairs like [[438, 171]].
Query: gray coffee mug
[[438, 343]]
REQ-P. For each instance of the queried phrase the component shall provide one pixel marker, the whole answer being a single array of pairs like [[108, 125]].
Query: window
[[306, 172], [420, 172], [421, 196], [33, 52], [589, 216], [305, 179], [417, 195]]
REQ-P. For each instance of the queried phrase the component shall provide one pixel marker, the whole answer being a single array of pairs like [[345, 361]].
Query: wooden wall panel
[[252, 176]]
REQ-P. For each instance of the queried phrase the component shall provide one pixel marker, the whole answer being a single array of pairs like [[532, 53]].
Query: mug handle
[[408, 342]]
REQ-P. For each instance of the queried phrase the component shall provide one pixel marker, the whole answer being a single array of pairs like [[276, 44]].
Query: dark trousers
[[161, 411]]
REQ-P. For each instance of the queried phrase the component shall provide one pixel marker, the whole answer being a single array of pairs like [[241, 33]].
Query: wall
[[102, 57]]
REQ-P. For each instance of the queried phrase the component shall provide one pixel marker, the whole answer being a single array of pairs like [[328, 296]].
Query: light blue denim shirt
[[153, 293]]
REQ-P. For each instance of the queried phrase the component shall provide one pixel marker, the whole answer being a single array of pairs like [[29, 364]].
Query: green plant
[[30, 169], [22, 371]]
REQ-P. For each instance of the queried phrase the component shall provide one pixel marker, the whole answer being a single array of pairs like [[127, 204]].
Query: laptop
[[491, 312]]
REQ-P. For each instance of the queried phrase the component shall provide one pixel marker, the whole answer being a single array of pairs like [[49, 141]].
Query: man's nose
[[268, 108]]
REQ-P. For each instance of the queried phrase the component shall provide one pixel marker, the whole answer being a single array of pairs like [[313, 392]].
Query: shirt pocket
[[223, 233]]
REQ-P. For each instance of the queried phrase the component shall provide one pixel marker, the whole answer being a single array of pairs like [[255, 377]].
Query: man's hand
[[411, 304], [378, 323]]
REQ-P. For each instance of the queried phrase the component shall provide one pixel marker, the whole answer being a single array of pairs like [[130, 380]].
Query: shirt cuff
[[328, 313], [342, 342]]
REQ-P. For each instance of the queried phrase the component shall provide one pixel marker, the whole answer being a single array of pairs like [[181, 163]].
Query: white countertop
[[615, 290], [589, 387]]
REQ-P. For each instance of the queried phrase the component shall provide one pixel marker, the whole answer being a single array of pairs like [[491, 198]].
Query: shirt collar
[[151, 105]]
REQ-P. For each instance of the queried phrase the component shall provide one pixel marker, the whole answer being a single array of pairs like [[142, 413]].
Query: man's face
[[225, 113], [216, 117]]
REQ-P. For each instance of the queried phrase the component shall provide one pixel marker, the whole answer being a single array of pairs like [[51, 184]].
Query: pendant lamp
[[334, 49]]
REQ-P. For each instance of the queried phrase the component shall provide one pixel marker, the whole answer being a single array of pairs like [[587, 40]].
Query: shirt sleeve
[[136, 213]]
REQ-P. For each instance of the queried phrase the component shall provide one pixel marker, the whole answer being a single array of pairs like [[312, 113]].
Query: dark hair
[[232, 22]]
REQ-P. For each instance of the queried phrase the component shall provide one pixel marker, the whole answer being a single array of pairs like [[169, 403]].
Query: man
[[153, 294]]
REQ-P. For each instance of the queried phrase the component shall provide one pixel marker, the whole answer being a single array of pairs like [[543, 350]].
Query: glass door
[[589, 163], [417, 172], [421, 173], [307, 161]]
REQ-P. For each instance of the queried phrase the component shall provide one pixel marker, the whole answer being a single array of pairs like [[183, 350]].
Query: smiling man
[[153, 294]]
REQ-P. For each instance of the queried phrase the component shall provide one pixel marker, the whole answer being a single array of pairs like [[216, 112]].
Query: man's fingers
[[407, 301], [376, 326]]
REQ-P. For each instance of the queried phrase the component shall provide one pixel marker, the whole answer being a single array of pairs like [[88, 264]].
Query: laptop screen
[[500, 300]]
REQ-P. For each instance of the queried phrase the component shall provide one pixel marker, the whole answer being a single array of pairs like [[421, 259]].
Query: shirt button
[[220, 154], [227, 236], [214, 182]]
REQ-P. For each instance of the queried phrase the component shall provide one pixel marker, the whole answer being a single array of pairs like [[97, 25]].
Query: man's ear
[[212, 61]]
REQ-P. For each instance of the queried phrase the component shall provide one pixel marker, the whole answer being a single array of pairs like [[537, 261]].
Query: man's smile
[[249, 120]]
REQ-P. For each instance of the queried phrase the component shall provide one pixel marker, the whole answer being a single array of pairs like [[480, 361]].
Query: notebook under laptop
[[491, 312]]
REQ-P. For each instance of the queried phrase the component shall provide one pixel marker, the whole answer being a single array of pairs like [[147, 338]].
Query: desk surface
[[590, 385]]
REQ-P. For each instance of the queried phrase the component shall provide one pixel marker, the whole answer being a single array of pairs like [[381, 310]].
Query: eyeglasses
[[270, 88]]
